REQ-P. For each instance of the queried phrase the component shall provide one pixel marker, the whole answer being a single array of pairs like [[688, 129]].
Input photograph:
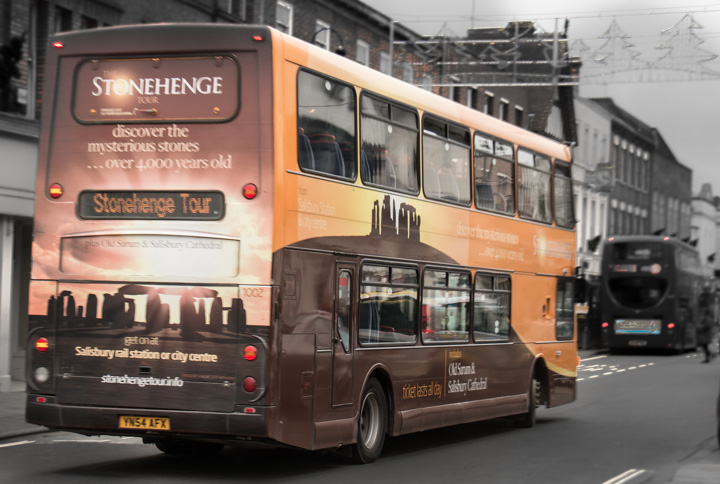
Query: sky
[[686, 113]]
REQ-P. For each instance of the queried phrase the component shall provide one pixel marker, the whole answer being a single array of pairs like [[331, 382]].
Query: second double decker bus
[[650, 289], [240, 236]]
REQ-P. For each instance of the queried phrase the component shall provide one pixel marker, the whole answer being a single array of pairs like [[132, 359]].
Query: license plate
[[637, 326], [637, 342], [144, 423]]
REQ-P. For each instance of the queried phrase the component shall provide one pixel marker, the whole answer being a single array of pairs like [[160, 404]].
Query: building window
[[489, 102], [504, 109], [472, 100], [63, 19], [284, 17], [426, 82], [362, 52], [519, 116], [235, 8], [385, 63], [322, 34], [408, 73], [89, 23]]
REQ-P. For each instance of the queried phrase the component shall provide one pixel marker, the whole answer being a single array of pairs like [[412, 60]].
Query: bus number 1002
[[252, 291]]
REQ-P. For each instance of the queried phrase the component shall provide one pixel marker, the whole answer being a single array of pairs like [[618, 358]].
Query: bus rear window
[[146, 90], [636, 251]]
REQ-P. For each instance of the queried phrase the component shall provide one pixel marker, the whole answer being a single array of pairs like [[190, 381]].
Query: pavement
[[702, 466]]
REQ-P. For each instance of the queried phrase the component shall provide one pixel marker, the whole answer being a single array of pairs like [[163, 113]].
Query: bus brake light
[[605, 324], [258, 38], [249, 384], [671, 325], [58, 45], [42, 345]]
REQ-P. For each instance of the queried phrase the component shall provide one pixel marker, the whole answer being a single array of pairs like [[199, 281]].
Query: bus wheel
[[188, 448], [371, 425], [527, 419]]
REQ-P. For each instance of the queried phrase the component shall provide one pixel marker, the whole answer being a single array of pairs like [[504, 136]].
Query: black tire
[[527, 420], [188, 448], [371, 424]]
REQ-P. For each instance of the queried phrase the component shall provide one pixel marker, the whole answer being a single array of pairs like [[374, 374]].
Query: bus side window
[[564, 309], [563, 195], [446, 306], [446, 160], [344, 308], [534, 195], [494, 175], [388, 305], [389, 150], [492, 308], [327, 136]]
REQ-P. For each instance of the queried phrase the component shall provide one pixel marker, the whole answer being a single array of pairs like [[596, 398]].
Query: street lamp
[[341, 49]]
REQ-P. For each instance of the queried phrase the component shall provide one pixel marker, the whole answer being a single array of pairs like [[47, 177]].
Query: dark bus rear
[[650, 288]]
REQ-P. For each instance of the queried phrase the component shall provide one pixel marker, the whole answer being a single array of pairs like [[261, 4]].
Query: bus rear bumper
[[248, 422]]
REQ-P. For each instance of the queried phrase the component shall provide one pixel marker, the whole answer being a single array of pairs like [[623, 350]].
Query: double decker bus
[[650, 290], [240, 236]]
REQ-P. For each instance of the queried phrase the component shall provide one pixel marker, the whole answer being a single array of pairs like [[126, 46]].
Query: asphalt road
[[640, 415]]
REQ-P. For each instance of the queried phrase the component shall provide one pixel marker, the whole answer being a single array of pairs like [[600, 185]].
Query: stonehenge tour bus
[[243, 237]]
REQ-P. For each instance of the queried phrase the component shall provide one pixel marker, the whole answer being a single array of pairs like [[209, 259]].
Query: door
[[343, 336]]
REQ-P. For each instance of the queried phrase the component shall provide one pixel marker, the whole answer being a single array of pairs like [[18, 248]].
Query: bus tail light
[[55, 190], [606, 324], [250, 353], [671, 325], [58, 45], [258, 38], [42, 344], [249, 191], [249, 384]]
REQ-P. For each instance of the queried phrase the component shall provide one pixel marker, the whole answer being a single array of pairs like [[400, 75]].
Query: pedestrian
[[707, 327]]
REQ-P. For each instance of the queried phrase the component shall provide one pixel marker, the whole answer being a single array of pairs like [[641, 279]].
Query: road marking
[[626, 476], [594, 358], [83, 441], [17, 443]]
